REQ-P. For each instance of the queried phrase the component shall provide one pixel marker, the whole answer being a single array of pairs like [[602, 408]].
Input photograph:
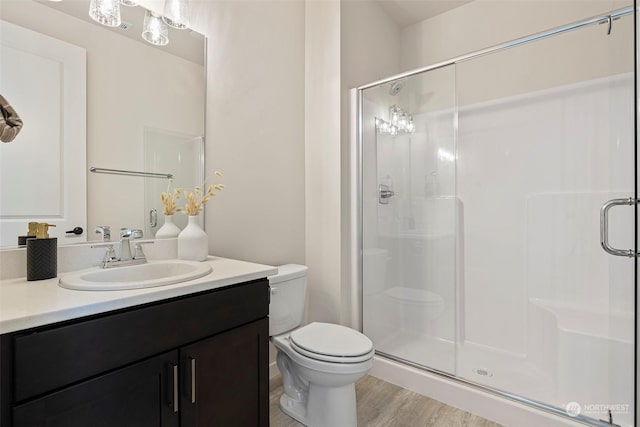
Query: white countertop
[[25, 304]]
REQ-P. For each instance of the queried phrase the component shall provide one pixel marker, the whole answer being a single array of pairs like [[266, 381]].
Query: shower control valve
[[384, 194]]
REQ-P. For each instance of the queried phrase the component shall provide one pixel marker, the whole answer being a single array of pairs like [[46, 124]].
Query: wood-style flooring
[[381, 404]]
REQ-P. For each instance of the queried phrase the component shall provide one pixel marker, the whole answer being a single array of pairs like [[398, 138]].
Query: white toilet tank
[[288, 294]]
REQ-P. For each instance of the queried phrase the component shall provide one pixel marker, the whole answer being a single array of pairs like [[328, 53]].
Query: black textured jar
[[42, 258]]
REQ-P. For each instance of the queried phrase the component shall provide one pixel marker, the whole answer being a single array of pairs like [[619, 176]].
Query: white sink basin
[[154, 273]]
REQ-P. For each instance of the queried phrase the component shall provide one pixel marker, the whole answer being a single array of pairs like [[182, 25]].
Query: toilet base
[[325, 407], [293, 408]]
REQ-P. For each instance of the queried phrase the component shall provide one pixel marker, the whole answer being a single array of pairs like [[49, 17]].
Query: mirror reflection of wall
[[131, 86]]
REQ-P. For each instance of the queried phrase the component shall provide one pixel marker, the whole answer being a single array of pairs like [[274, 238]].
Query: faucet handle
[[138, 253], [109, 255], [132, 233]]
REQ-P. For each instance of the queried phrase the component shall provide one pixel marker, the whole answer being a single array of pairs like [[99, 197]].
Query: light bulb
[[154, 30], [176, 13], [106, 12]]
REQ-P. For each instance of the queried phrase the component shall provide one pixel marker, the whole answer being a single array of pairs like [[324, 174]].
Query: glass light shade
[[154, 30], [128, 3], [106, 12], [411, 127], [176, 13]]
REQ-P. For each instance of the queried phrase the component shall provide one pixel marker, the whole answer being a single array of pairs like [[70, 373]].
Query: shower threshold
[[546, 408]]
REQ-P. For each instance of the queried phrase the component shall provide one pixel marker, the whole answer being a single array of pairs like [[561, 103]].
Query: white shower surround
[[568, 314]]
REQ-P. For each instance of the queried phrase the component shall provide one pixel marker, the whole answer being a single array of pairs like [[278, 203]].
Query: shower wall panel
[[409, 300]]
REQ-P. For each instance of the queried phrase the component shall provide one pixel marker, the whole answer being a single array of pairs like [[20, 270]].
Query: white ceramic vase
[[193, 243], [169, 229]]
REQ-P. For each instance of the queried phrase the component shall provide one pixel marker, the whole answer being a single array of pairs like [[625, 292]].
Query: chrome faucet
[[104, 231], [126, 255], [126, 234]]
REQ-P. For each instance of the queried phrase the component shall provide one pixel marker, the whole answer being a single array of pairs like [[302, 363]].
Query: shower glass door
[[409, 219], [545, 139], [482, 254]]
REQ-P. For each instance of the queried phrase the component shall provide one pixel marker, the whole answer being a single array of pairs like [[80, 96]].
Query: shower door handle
[[604, 227], [153, 218]]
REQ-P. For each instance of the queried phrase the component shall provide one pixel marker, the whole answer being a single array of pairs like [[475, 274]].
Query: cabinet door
[[225, 379], [140, 395]]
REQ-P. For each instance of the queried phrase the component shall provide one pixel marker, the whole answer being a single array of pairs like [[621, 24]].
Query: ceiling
[[408, 12]]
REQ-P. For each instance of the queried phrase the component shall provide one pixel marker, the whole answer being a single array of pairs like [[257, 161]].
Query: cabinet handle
[[193, 380], [175, 388]]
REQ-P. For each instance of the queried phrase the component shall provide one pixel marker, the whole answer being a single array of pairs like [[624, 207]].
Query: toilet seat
[[331, 343], [283, 344]]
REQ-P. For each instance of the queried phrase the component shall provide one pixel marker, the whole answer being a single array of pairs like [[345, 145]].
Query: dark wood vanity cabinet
[[220, 386], [199, 360], [138, 395]]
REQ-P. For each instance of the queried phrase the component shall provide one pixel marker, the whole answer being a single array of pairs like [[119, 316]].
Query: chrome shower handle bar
[[604, 227]]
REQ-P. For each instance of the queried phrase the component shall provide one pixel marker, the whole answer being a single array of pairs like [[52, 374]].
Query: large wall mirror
[[142, 110]]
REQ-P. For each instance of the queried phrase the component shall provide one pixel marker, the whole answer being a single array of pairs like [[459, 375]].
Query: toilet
[[319, 362]]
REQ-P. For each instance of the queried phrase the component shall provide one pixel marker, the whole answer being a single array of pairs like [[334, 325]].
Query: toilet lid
[[332, 343]]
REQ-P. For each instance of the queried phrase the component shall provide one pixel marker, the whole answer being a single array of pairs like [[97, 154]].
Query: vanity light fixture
[[176, 13], [400, 122], [154, 30], [106, 12]]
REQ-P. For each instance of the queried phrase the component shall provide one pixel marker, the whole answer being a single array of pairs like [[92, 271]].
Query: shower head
[[396, 87]]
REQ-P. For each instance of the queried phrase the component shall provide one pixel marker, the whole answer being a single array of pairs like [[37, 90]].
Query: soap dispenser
[[42, 254], [31, 234]]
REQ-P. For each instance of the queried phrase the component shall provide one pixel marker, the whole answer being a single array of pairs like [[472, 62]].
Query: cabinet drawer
[[52, 358]]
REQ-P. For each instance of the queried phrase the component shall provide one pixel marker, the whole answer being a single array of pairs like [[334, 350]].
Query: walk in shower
[[484, 184]]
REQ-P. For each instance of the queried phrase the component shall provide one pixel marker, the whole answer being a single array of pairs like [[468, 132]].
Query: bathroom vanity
[[191, 354]]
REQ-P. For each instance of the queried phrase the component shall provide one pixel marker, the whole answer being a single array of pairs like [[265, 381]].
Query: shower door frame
[[356, 207]]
